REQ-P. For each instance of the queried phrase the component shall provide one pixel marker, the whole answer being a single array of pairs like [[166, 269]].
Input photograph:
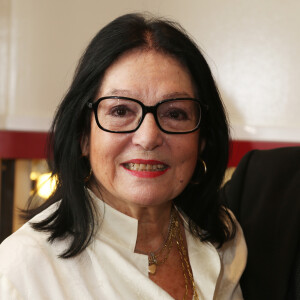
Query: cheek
[[97, 162], [187, 154], [100, 148], [105, 150]]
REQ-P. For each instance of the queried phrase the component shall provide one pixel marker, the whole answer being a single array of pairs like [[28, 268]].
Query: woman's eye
[[119, 111], [177, 114]]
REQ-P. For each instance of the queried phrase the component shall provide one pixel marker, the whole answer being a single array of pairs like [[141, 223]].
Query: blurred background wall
[[252, 47]]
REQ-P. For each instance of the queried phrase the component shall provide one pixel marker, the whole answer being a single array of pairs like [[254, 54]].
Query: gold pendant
[[152, 269]]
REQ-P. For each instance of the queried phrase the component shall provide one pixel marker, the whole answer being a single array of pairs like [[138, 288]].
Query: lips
[[145, 168]]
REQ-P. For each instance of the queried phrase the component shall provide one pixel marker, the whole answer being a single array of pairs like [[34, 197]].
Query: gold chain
[[160, 256], [186, 268]]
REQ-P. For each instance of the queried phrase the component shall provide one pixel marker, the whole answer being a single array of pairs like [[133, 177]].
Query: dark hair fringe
[[75, 216]]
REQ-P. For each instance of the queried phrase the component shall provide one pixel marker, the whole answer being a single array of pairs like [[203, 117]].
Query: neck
[[153, 229], [153, 221]]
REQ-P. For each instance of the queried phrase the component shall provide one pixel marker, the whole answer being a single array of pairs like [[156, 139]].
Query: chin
[[149, 200]]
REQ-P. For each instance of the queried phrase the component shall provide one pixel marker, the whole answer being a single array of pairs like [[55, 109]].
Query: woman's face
[[150, 77]]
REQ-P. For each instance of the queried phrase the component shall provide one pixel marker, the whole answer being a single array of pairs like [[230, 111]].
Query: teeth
[[145, 167]]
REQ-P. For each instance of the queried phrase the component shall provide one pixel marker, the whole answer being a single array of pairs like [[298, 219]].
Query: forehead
[[146, 74]]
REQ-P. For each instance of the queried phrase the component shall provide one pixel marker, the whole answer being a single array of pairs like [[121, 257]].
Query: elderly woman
[[140, 146]]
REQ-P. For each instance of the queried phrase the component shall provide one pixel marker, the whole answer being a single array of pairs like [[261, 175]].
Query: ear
[[85, 145]]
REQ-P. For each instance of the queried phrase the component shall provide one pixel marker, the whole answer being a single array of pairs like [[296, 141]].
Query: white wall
[[252, 46]]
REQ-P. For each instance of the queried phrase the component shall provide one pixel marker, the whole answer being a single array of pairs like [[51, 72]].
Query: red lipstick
[[145, 168]]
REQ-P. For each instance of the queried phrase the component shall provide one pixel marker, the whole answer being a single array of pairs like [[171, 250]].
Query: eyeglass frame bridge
[[145, 109]]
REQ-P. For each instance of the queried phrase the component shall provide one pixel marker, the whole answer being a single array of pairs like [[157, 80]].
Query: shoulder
[[27, 258], [271, 161], [263, 175], [25, 246], [19, 253], [26, 238]]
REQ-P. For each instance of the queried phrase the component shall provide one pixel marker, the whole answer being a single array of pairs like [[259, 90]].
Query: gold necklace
[[159, 257], [186, 268]]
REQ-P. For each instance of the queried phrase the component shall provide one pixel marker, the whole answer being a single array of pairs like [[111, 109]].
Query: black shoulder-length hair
[[75, 217]]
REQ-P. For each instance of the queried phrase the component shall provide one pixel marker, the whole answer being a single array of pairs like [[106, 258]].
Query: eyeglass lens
[[125, 115]]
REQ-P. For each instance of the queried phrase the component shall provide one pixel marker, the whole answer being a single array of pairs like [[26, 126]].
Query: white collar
[[114, 225], [120, 229]]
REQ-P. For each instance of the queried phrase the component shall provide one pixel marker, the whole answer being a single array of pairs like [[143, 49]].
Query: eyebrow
[[120, 92], [177, 95], [128, 93]]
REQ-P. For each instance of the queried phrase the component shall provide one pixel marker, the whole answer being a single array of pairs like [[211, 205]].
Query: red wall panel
[[32, 145]]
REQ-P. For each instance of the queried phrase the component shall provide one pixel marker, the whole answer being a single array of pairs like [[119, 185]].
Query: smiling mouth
[[145, 167]]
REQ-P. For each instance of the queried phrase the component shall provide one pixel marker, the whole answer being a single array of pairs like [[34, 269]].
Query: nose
[[148, 136]]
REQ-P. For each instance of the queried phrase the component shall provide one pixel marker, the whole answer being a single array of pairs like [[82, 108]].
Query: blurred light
[[45, 185], [34, 175]]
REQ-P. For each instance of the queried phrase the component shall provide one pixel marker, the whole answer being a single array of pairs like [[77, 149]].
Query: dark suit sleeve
[[264, 194]]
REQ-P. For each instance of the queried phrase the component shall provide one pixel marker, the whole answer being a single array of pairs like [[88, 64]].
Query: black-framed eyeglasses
[[124, 115]]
